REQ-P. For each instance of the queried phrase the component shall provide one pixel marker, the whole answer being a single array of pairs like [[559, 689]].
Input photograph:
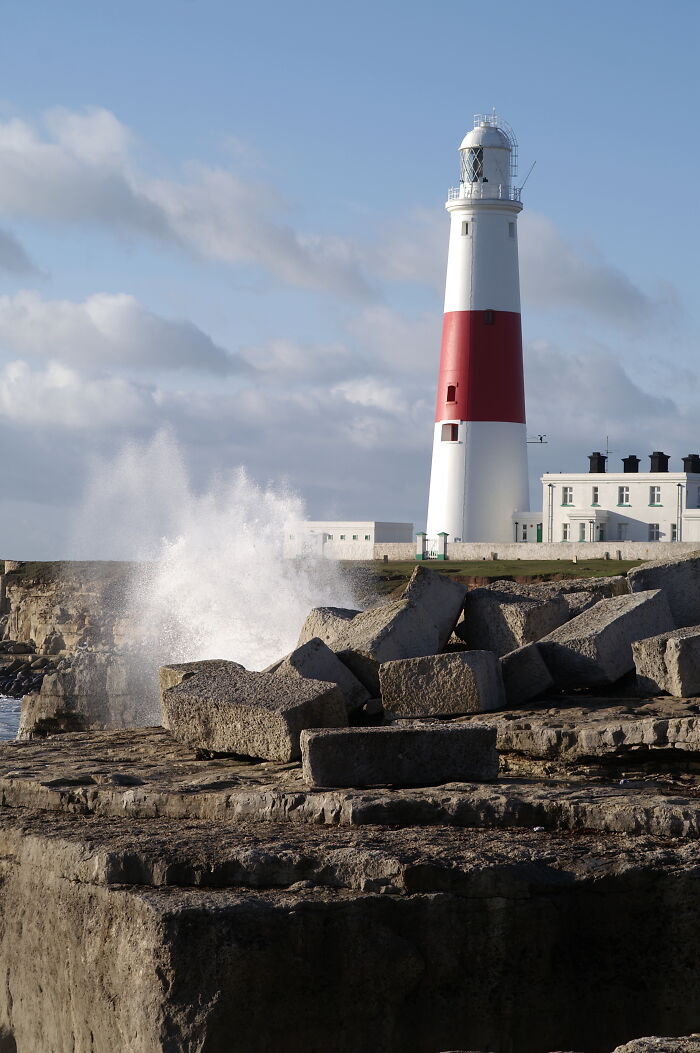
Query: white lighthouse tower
[[479, 470]]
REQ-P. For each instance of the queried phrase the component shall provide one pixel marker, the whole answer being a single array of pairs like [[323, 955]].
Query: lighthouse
[[478, 478]]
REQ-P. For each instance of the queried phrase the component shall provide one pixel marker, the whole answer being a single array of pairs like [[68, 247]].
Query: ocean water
[[9, 717]]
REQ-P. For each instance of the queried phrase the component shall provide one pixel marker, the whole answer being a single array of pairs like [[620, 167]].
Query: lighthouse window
[[473, 164], [465, 227], [451, 393], [488, 317], [511, 230], [450, 432]]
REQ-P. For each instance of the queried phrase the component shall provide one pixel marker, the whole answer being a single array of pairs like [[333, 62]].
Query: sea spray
[[212, 580]]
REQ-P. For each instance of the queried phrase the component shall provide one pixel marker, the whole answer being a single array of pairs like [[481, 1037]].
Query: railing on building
[[477, 191]]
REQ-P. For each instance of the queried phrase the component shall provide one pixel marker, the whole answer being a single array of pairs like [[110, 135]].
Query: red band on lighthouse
[[481, 368]]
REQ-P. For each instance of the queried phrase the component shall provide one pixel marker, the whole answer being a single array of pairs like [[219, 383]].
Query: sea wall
[[627, 550]]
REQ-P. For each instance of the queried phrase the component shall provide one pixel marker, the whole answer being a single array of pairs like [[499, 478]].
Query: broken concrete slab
[[680, 580], [314, 660], [426, 755], [251, 714], [442, 685], [525, 674], [669, 662], [595, 648], [324, 623], [419, 623]]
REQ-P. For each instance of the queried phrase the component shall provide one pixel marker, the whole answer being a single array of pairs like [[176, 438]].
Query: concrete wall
[[565, 551]]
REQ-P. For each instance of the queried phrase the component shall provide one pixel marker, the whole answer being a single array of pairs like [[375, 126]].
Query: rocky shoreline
[[202, 899]]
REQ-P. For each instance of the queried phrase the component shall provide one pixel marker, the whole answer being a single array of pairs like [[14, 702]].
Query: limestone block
[[525, 674], [324, 623], [427, 755], [175, 673], [578, 602], [595, 648], [225, 710], [680, 580], [315, 661], [442, 685], [501, 619], [669, 662], [419, 623]]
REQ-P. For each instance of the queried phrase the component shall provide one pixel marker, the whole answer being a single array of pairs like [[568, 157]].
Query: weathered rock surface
[[669, 662], [418, 623], [98, 689], [525, 675], [171, 675], [442, 685], [324, 623], [253, 714], [507, 615], [680, 580], [399, 756], [595, 648], [685, 1044], [314, 660]]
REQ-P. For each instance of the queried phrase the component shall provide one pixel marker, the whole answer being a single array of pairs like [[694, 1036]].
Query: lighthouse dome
[[486, 134]]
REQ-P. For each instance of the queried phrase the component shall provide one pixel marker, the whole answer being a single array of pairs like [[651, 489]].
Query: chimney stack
[[630, 464], [659, 461], [597, 463], [691, 463]]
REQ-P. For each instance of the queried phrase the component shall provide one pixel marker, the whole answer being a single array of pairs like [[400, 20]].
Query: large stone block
[[176, 672], [442, 685], [595, 648], [418, 623], [253, 714], [427, 755], [501, 619], [680, 580], [525, 674], [669, 662], [324, 623], [314, 660]]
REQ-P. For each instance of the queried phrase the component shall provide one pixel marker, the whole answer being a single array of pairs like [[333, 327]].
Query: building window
[[329, 537], [594, 495], [450, 432], [354, 537], [342, 537], [465, 227], [488, 317], [654, 495], [523, 535], [654, 532], [582, 531], [367, 537], [623, 495], [451, 392], [567, 495], [566, 532], [511, 230], [622, 531], [674, 532]]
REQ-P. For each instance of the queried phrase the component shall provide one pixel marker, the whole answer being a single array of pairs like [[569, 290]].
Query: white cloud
[[107, 330], [81, 172], [372, 393]]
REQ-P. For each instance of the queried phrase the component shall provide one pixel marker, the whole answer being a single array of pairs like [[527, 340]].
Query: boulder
[[314, 660], [680, 580], [502, 619], [669, 662], [595, 648], [418, 623], [525, 675], [400, 755], [442, 685], [170, 675], [324, 623], [231, 710]]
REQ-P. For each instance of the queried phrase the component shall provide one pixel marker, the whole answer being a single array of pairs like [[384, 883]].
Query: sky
[[226, 222]]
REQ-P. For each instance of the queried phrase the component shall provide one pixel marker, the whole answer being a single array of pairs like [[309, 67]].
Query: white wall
[[585, 550]]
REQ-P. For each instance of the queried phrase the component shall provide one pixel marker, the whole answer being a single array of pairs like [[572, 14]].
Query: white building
[[630, 505], [344, 539]]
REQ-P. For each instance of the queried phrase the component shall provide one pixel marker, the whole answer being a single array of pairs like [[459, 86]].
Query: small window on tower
[[488, 317], [465, 226], [451, 393], [450, 432], [511, 230]]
